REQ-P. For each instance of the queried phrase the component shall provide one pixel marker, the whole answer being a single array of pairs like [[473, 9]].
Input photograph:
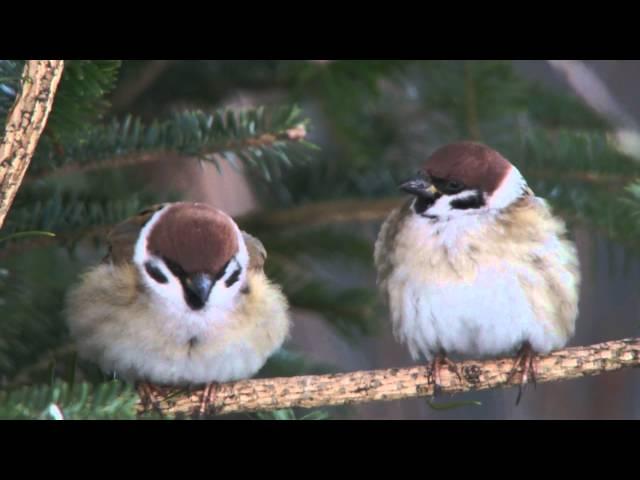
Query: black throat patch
[[423, 203]]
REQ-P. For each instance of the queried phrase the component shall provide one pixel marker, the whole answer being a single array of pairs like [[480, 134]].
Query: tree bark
[[394, 383], [25, 124]]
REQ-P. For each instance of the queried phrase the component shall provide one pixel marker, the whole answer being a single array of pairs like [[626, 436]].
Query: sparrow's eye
[[452, 186]]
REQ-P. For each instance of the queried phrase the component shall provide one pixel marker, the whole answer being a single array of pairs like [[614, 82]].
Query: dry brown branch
[[332, 211], [398, 383], [25, 123]]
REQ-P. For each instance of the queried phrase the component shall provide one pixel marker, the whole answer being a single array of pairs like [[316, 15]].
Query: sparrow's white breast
[[487, 315]]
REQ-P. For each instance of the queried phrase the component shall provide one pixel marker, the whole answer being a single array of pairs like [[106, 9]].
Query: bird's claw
[[148, 393], [525, 364], [206, 398], [438, 362]]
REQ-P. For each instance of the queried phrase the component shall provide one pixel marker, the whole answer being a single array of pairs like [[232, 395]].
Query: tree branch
[[396, 383], [25, 124], [137, 158]]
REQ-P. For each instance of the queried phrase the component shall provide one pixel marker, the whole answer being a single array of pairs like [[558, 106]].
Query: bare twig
[[25, 124], [398, 383]]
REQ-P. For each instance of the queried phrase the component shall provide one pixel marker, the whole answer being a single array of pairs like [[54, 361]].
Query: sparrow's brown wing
[[386, 243], [257, 252], [122, 238]]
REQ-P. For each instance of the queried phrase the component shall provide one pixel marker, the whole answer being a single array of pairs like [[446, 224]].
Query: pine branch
[[80, 99], [138, 158], [398, 383], [260, 139], [25, 124], [65, 401]]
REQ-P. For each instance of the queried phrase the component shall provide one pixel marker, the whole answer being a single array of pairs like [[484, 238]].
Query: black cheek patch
[[474, 201], [155, 273], [220, 274], [234, 277]]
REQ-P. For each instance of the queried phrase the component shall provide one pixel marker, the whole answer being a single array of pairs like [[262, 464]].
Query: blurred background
[[306, 155]]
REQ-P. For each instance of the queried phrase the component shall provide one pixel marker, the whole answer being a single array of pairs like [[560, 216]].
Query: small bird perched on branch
[[475, 264], [180, 299]]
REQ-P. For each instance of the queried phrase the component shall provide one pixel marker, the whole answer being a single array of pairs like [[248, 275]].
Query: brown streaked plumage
[[122, 238], [257, 252]]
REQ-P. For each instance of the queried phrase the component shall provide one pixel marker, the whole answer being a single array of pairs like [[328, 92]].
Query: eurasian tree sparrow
[[180, 299], [475, 264]]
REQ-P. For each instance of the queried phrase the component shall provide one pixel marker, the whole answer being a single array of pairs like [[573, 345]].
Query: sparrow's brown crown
[[475, 165], [195, 236]]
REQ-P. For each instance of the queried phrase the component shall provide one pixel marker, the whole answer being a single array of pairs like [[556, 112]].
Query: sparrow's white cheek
[[444, 208], [224, 292], [169, 293], [509, 190], [439, 208]]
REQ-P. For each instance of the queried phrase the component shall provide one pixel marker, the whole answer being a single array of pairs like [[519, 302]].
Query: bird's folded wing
[[257, 252], [123, 237]]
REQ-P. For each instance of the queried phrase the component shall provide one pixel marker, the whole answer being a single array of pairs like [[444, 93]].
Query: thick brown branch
[[399, 383], [25, 123]]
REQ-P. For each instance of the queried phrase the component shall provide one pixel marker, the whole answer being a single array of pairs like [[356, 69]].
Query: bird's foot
[[149, 394], [525, 364], [438, 362], [208, 398]]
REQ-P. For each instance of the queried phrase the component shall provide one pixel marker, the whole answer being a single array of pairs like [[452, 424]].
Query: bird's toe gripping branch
[[438, 362], [524, 364]]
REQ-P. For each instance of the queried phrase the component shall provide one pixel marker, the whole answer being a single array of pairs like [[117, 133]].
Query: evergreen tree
[[327, 141]]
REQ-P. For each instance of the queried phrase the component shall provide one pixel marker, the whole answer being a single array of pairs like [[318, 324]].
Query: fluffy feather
[[482, 282], [129, 325], [115, 324]]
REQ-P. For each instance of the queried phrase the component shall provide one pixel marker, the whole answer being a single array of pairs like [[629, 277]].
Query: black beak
[[420, 187], [197, 288]]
